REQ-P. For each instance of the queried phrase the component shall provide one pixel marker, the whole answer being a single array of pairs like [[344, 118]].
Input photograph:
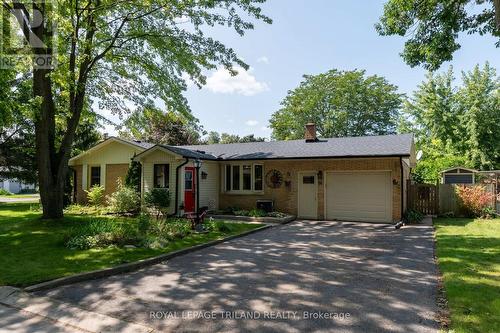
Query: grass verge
[[33, 250], [468, 252]]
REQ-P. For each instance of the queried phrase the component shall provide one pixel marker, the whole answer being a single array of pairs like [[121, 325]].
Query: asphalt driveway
[[302, 277]]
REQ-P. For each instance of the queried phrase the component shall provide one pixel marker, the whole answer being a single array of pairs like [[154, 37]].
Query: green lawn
[[468, 253], [32, 250]]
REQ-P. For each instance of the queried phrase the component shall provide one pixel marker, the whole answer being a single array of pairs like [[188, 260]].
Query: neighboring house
[[355, 178], [458, 175], [15, 186]]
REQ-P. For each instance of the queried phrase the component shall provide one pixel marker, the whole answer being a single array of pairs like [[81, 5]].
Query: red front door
[[189, 189]]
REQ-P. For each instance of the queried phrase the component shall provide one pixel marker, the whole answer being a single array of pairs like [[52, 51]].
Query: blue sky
[[310, 37]]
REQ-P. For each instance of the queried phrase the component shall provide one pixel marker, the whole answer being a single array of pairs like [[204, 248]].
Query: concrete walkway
[[306, 276], [22, 312], [28, 198]]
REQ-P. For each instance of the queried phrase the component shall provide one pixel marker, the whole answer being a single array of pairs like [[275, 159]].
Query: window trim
[[98, 166], [228, 188], [166, 173]]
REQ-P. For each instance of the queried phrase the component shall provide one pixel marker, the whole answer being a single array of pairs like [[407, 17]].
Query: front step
[[66, 314]]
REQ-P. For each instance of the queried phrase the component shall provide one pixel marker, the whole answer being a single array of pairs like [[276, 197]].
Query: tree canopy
[[432, 27], [224, 138], [151, 124], [341, 103], [118, 54], [455, 125]]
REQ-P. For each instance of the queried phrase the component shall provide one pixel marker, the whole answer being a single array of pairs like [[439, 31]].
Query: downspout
[[401, 222], [402, 186], [177, 184]]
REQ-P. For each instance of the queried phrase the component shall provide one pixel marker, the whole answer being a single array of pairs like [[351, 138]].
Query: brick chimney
[[310, 134]]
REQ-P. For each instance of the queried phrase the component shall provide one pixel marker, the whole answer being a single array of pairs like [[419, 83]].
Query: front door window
[[188, 180], [189, 189]]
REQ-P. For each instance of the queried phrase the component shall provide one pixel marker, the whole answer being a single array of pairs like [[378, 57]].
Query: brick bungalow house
[[352, 178]]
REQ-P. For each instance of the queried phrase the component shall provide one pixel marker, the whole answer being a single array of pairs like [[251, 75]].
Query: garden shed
[[458, 175]]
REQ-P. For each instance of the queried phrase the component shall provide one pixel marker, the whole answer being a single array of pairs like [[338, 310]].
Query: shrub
[[257, 212], [489, 213], [474, 200], [133, 177], [413, 216], [231, 210], [93, 227], [178, 229], [276, 214], [81, 242], [158, 199], [241, 212], [98, 233], [4, 192], [170, 229], [37, 207], [125, 199], [96, 195], [143, 223], [76, 209], [217, 226]]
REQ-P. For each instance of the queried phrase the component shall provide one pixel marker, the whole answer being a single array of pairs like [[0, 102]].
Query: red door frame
[[190, 194]]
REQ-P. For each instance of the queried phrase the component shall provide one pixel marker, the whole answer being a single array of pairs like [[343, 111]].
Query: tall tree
[[479, 103], [433, 109], [341, 103], [213, 138], [153, 125], [117, 53], [224, 138], [455, 126], [432, 27]]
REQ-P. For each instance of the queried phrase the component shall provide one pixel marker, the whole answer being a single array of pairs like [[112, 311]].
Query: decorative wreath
[[274, 178]]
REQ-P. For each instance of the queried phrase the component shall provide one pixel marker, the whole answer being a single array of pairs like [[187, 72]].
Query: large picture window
[[247, 177], [258, 177], [243, 178], [236, 178], [161, 175], [228, 178]]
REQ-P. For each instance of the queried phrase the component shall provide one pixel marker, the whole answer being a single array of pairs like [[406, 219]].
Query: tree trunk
[[496, 4], [53, 161], [51, 177]]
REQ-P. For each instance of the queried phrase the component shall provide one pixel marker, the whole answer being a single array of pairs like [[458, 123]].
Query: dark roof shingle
[[364, 146]]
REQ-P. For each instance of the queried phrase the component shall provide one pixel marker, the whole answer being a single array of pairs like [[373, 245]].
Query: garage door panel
[[363, 196]]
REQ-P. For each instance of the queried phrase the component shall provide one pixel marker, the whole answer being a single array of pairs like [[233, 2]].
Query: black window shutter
[[155, 175]]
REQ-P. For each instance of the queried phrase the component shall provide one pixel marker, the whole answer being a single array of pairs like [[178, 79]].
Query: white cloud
[[251, 122], [244, 83], [263, 59]]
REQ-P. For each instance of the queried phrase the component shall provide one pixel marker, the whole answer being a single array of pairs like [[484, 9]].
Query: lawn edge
[[443, 316], [132, 266]]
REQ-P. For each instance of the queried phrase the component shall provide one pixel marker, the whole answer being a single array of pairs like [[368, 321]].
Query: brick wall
[[285, 197], [81, 196], [113, 173]]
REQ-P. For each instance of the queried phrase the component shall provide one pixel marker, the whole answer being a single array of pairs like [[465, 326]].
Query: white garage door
[[359, 196]]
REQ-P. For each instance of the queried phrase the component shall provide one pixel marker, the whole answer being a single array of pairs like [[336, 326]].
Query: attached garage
[[359, 196]]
